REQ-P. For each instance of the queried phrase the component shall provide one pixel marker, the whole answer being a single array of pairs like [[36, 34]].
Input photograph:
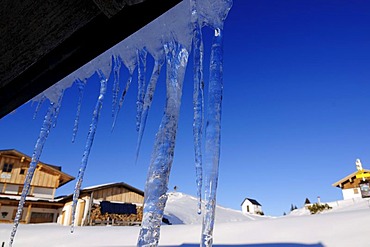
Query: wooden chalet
[[114, 203], [354, 186], [40, 205]]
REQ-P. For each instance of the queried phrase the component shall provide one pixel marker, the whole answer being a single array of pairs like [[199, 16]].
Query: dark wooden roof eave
[[26, 72], [352, 176]]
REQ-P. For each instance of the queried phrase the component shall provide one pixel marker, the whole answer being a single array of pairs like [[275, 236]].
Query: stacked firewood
[[97, 217]]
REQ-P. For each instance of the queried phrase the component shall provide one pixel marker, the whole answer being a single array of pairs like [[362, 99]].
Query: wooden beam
[[28, 215]]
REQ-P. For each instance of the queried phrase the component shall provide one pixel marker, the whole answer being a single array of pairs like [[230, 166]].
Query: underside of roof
[[346, 179], [44, 41]]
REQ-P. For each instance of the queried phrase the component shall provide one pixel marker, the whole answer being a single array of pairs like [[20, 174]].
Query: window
[[7, 167], [22, 171]]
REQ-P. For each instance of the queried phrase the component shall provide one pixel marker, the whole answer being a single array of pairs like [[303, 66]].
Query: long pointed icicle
[[148, 101], [141, 71], [89, 142], [157, 180], [198, 100], [44, 132], [128, 83], [81, 88], [55, 118], [39, 104], [116, 74], [213, 137]]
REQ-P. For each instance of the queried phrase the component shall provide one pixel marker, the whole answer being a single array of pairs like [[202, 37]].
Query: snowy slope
[[346, 225], [337, 206], [182, 209]]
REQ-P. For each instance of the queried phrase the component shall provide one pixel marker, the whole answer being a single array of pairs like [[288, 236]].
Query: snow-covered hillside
[[337, 206], [347, 224], [182, 209]]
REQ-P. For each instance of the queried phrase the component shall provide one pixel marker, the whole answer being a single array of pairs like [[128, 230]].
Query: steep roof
[[253, 201], [64, 177], [348, 178]]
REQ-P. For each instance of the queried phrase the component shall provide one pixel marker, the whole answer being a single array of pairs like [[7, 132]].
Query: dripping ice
[[47, 124], [169, 39], [89, 143]]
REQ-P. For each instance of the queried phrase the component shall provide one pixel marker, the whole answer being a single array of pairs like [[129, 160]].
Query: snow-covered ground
[[347, 225]]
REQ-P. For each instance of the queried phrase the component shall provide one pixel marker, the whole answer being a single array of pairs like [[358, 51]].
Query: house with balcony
[[41, 205]]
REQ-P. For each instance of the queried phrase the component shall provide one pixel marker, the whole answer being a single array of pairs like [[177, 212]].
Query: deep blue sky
[[296, 110]]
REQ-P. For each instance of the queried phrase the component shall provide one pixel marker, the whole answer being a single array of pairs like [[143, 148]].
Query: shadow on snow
[[259, 245]]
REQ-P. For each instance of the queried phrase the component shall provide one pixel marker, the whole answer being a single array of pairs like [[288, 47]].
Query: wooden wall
[[41, 178], [118, 194]]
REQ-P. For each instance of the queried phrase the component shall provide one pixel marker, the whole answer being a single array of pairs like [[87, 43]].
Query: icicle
[[44, 132], [55, 119], [213, 137], [148, 101], [162, 156], [89, 142], [141, 71], [128, 83], [81, 87], [198, 99], [41, 101], [116, 73]]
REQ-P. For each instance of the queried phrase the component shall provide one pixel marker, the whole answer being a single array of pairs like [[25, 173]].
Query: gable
[[350, 181], [252, 201], [45, 175]]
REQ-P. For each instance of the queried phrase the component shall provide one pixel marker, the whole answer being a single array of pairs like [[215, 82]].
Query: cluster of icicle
[[169, 39]]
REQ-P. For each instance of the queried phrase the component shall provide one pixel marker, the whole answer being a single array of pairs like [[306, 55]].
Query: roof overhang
[[348, 178], [111, 185], [63, 177], [44, 41]]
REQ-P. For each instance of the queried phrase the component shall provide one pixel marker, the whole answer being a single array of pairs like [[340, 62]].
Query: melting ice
[[169, 40]]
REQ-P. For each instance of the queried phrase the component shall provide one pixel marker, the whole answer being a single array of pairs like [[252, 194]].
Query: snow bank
[[182, 209], [345, 225]]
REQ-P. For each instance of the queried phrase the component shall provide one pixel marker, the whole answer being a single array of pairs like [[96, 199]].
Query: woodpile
[[97, 218]]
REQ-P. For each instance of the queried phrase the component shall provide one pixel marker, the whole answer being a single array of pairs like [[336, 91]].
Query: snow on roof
[[30, 198], [96, 187]]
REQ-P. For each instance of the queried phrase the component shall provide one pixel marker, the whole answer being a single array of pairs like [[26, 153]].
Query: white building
[[251, 206]]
